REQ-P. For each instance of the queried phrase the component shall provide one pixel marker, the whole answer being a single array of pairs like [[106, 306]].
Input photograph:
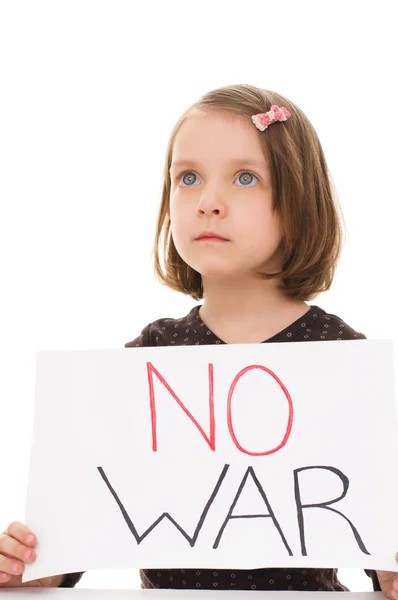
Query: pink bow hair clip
[[276, 113]]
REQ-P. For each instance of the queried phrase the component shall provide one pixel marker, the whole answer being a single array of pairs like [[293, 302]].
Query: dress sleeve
[[71, 579], [375, 581], [143, 340]]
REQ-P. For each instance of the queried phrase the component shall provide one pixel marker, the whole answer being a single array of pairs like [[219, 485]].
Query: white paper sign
[[234, 456]]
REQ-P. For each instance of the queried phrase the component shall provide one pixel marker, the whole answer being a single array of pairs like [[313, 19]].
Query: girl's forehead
[[214, 118], [220, 132]]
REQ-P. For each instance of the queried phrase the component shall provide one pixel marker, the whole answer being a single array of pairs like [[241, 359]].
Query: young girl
[[249, 223]]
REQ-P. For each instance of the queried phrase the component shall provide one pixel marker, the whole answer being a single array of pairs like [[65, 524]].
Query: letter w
[[191, 540]]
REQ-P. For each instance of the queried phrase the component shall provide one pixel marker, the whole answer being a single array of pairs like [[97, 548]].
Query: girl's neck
[[250, 311]]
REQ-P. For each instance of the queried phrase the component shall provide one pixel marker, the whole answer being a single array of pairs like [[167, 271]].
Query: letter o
[[229, 412]]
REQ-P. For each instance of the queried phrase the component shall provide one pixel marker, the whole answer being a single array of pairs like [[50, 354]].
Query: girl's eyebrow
[[233, 162]]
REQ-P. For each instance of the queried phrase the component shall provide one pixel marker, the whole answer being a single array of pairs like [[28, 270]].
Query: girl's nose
[[203, 211], [211, 204]]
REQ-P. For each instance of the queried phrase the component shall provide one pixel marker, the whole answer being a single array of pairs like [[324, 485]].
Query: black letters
[[325, 505], [250, 471], [191, 540]]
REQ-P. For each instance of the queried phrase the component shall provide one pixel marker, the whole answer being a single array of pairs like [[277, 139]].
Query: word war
[[230, 516]]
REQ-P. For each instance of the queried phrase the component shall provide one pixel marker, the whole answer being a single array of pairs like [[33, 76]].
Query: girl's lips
[[211, 239], [211, 236]]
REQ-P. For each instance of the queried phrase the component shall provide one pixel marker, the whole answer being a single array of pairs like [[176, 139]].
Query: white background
[[89, 92]]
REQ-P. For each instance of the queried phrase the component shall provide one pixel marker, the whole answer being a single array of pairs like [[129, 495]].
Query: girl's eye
[[188, 179], [245, 177]]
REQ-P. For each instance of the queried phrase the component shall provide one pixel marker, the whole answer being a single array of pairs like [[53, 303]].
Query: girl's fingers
[[11, 566], [10, 547], [20, 532]]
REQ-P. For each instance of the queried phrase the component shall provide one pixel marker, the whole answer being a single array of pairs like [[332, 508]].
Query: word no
[[211, 438]]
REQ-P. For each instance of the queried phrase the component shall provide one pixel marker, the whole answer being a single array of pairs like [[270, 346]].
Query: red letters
[[229, 412], [211, 438]]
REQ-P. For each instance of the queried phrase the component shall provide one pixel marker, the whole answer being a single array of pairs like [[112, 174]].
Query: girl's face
[[220, 183]]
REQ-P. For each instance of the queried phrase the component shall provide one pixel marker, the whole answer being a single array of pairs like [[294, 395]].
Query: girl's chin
[[219, 274]]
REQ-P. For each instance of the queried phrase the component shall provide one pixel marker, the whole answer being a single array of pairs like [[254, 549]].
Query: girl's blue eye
[[188, 178], [243, 178]]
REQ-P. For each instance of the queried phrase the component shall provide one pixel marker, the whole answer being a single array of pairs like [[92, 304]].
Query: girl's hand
[[389, 582], [15, 549]]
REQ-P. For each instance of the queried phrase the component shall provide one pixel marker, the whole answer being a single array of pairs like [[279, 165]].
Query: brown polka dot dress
[[190, 330]]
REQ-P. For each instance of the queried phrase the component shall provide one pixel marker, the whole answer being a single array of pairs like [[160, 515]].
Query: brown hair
[[303, 196]]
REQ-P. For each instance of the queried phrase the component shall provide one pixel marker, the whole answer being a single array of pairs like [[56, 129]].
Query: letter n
[[211, 439]]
